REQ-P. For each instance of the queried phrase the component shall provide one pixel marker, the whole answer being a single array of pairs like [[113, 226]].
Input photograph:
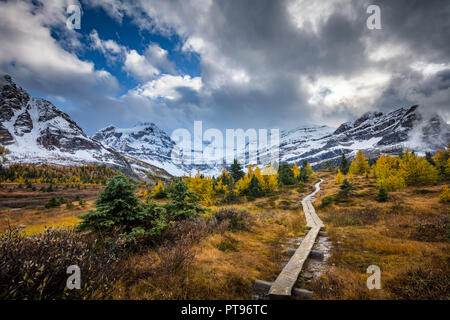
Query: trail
[[284, 283]]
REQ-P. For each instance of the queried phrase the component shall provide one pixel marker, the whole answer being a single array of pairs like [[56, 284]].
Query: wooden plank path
[[282, 286]]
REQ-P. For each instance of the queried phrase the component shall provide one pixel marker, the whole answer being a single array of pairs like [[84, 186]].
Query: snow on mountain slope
[[375, 133], [35, 131], [145, 142]]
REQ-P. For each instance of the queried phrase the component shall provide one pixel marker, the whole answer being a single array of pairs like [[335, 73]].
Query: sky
[[230, 63]]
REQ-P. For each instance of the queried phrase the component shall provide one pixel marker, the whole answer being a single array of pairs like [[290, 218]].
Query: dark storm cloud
[[280, 63], [423, 25]]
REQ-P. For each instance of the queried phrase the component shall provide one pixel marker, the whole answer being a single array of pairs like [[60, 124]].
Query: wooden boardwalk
[[283, 285]]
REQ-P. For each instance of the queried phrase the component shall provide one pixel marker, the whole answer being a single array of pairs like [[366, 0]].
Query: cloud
[[143, 67], [263, 63], [167, 87], [37, 60], [109, 48]]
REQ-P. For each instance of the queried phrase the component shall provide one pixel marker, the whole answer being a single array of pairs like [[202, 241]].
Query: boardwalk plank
[[282, 286]]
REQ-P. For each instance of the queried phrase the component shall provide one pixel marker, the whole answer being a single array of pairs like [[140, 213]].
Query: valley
[[120, 207]]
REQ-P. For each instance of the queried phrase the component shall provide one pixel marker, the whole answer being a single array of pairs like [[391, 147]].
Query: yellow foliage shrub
[[339, 177], [444, 197]]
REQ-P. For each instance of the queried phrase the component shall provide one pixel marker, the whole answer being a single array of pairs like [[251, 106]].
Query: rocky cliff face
[[35, 131]]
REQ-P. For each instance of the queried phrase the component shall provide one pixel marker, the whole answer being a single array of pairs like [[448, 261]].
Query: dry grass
[[26, 207], [224, 263], [407, 237]]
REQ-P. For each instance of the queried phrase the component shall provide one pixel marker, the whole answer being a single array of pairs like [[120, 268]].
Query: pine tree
[[429, 158], [236, 171], [116, 206], [346, 189], [417, 171], [382, 195], [3, 153], [254, 188], [285, 175], [344, 166], [159, 192], [225, 177], [442, 161], [183, 204]]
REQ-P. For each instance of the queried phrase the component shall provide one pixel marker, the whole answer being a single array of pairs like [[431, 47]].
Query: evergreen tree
[[344, 166], [254, 188], [236, 171], [429, 158], [382, 195], [116, 206], [286, 175], [159, 192], [346, 189], [183, 204]]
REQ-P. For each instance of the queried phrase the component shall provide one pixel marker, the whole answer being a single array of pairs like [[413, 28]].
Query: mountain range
[[35, 131]]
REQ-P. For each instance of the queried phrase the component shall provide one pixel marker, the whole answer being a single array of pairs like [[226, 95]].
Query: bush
[[230, 197], [346, 189], [119, 209], [35, 267], [228, 244], [53, 203], [327, 201], [432, 229], [421, 283], [444, 197], [237, 220], [382, 195]]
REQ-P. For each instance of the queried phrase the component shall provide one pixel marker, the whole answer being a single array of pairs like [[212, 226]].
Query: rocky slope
[[35, 131], [375, 133]]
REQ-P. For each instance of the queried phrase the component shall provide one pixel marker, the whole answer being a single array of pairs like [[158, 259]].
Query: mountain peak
[[36, 131]]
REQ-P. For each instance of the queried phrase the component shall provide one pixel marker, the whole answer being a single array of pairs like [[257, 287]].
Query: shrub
[[444, 197], [231, 197], [382, 195], [52, 203], [421, 283], [228, 244], [346, 189], [432, 229], [237, 220], [35, 267], [327, 201]]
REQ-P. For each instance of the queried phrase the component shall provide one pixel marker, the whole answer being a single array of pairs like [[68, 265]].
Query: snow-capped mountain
[[145, 142], [35, 131], [375, 133]]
